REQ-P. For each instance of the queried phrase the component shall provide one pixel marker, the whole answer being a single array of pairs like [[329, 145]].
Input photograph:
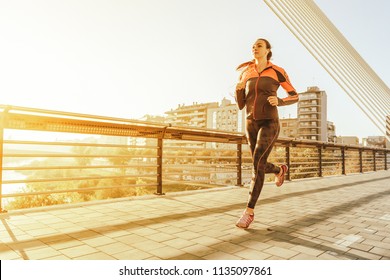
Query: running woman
[[257, 91]]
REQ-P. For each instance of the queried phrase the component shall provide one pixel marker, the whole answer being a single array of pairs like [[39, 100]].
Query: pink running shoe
[[245, 220], [279, 178]]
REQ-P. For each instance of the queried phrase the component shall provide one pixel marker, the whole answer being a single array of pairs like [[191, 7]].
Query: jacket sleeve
[[292, 94], [240, 95], [240, 98]]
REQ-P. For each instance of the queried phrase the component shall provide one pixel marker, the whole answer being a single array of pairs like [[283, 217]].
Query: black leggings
[[261, 135]]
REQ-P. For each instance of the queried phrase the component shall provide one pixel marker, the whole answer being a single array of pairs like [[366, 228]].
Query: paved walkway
[[343, 217]]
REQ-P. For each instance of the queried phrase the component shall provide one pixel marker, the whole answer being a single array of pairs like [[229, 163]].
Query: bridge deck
[[343, 217]]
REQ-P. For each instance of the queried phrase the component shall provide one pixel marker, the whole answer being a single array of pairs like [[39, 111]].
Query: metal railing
[[50, 157]]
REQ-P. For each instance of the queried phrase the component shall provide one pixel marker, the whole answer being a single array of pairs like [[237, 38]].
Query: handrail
[[306, 157]]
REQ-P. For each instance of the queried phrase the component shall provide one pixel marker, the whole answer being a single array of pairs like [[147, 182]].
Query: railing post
[[159, 166], [385, 160], [1, 162], [2, 123], [343, 170], [320, 161], [288, 162], [239, 164], [374, 157], [361, 160]]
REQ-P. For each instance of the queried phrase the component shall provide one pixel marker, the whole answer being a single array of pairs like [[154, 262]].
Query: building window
[[239, 121], [214, 120]]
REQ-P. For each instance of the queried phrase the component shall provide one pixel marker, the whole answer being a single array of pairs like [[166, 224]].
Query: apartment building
[[347, 140], [375, 141], [289, 128], [226, 117], [331, 132], [195, 115], [312, 115]]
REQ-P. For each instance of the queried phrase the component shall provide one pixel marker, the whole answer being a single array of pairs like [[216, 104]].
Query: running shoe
[[279, 178], [245, 220]]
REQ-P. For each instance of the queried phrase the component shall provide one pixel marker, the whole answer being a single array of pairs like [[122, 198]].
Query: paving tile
[[65, 243], [39, 232], [179, 243], [130, 239], [281, 252], [327, 233], [385, 233], [377, 244], [96, 256], [221, 256], [98, 241], [361, 247], [199, 250], [83, 234], [212, 233], [364, 255], [386, 240], [166, 252], [26, 245], [255, 245], [187, 235], [373, 237], [78, 251], [300, 221], [303, 256], [9, 254], [144, 231], [114, 248], [307, 250], [380, 251], [161, 237], [134, 254], [344, 230], [148, 245], [206, 240], [59, 257], [280, 243], [41, 253], [115, 232], [185, 256], [250, 254], [328, 256], [171, 229], [228, 247]]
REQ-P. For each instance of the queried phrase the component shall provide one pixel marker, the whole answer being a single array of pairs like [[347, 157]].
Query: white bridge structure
[[338, 57]]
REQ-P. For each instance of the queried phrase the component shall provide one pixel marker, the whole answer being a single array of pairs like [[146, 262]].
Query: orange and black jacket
[[259, 86]]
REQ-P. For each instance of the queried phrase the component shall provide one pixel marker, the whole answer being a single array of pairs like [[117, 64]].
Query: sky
[[128, 58]]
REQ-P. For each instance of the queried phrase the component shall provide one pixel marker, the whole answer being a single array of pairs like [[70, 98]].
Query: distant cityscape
[[311, 122]]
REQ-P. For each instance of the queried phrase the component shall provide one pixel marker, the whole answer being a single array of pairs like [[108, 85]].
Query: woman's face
[[259, 49]]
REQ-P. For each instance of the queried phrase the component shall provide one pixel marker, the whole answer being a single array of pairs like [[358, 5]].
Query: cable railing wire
[[364, 81]]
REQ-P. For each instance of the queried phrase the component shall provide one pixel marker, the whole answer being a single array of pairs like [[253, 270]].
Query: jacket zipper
[[256, 93], [255, 101]]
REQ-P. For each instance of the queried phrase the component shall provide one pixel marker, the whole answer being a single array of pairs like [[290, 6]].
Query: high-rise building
[[331, 132], [190, 115], [312, 114], [226, 117], [289, 128]]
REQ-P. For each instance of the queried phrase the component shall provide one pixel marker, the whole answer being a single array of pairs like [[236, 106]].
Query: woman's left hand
[[273, 100]]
